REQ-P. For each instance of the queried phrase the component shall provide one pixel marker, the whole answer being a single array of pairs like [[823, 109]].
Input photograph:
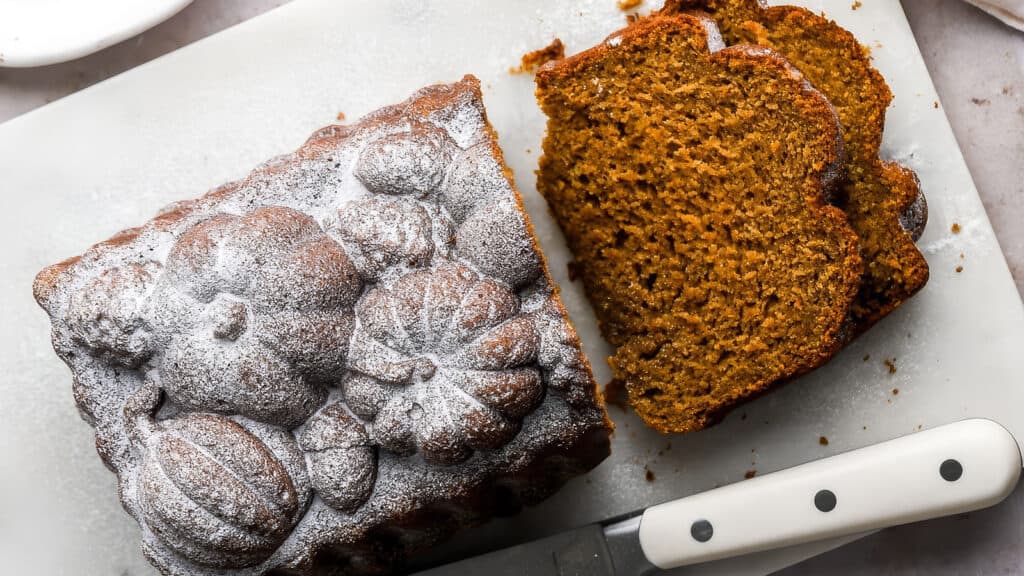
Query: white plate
[[108, 157], [41, 32]]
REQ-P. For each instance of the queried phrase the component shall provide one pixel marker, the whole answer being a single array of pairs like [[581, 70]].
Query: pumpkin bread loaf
[[335, 362], [882, 199], [690, 180]]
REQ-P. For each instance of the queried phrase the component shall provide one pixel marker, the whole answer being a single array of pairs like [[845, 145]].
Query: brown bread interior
[[882, 199], [691, 189]]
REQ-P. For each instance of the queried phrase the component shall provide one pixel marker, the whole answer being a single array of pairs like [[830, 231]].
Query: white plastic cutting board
[[108, 157]]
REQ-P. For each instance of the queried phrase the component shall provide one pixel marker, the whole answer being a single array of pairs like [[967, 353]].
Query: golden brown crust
[[877, 195], [662, 332]]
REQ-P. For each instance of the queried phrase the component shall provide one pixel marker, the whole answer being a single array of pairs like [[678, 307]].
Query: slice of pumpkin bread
[[690, 181], [882, 199]]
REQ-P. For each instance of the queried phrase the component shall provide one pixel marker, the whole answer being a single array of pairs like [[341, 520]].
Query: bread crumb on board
[[895, 391], [959, 269], [823, 441], [573, 269], [628, 4], [749, 474], [340, 117], [615, 394], [537, 58], [955, 228], [890, 364], [856, 5]]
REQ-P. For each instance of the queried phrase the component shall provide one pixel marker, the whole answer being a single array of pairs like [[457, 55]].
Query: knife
[[946, 470]]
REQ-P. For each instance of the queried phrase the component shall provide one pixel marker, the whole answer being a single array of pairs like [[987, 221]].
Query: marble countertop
[[977, 65]]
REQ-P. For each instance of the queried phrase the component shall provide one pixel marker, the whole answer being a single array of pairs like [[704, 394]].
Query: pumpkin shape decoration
[[342, 459], [212, 489], [257, 311], [410, 162], [105, 314], [445, 363], [381, 232], [242, 402]]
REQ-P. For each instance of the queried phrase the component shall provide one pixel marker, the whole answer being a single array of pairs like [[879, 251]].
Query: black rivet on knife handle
[[702, 530], [825, 500], [951, 470]]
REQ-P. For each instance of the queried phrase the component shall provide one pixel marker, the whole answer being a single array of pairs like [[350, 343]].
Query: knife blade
[[946, 470], [592, 550]]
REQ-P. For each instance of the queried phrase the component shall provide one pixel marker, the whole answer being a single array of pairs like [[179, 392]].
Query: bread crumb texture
[[881, 198], [690, 186]]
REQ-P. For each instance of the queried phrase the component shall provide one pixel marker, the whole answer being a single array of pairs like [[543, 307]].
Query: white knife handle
[[946, 470]]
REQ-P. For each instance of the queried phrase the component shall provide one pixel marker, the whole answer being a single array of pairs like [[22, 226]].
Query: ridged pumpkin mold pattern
[[336, 361]]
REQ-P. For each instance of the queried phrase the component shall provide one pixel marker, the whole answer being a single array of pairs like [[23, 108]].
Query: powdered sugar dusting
[[376, 294], [714, 36]]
